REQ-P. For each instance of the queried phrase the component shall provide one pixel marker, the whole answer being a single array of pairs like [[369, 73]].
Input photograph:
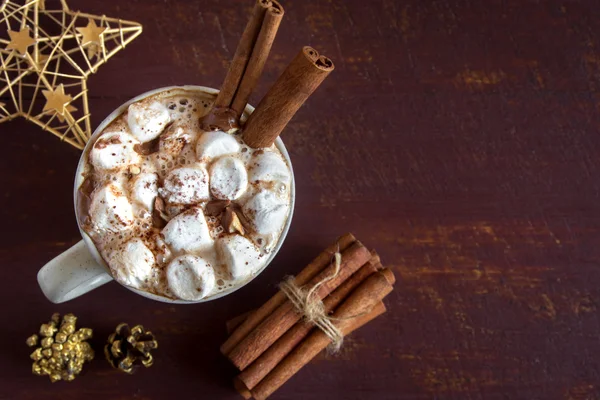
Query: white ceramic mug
[[81, 269]]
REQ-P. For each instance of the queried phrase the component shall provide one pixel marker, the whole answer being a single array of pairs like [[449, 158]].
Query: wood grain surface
[[458, 138]]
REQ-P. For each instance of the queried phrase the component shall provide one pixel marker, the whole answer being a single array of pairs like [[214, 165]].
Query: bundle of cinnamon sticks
[[299, 80], [269, 345]]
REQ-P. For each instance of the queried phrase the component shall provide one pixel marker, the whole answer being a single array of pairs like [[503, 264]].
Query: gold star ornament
[[91, 33], [20, 41], [92, 38], [57, 100], [46, 57]]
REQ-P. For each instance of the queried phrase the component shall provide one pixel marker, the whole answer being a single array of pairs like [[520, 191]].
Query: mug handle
[[71, 274]]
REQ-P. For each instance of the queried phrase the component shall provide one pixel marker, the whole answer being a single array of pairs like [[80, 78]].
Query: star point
[[94, 50], [20, 41], [68, 109], [92, 33], [56, 100]]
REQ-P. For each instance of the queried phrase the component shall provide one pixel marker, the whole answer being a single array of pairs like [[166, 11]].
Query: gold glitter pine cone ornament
[[62, 349], [128, 347]]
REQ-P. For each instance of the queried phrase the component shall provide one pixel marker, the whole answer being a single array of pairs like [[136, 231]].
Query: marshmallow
[[190, 277], [147, 121], [215, 144], [266, 212], [114, 150], [133, 263], [239, 254], [144, 189], [188, 231], [268, 167], [186, 186], [228, 178], [110, 210]]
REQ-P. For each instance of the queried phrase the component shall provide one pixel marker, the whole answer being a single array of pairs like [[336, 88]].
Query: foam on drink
[[147, 181]]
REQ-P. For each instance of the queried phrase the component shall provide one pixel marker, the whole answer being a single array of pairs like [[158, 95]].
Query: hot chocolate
[[178, 211]]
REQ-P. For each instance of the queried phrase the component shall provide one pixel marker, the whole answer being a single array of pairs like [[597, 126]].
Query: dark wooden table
[[458, 138]]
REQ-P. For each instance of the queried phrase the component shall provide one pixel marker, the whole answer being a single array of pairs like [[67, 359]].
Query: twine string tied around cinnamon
[[311, 307]]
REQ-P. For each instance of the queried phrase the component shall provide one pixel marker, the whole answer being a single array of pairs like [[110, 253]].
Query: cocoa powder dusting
[[103, 142]]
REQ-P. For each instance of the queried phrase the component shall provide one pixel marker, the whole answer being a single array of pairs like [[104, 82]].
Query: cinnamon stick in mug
[[358, 309], [285, 316], [244, 51], [308, 273], [249, 58], [299, 80], [264, 364], [259, 56]]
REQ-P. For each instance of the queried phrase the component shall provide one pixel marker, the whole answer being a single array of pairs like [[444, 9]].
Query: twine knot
[[311, 307]]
